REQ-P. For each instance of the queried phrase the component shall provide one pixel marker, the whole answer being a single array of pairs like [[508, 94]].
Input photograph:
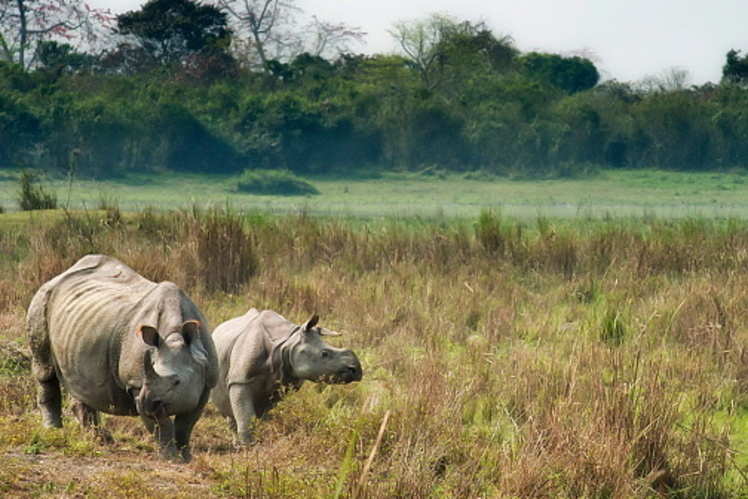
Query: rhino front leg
[[88, 417], [243, 410], [162, 428], [183, 425]]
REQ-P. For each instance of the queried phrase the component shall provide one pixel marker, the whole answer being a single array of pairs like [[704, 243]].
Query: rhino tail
[[42, 365]]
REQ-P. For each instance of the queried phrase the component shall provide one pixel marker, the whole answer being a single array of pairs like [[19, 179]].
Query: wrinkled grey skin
[[121, 344], [261, 355]]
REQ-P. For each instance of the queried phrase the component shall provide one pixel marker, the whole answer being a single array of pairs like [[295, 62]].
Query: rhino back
[[87, 315]]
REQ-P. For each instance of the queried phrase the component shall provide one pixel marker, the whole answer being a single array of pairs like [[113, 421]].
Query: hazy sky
[[630, 39]]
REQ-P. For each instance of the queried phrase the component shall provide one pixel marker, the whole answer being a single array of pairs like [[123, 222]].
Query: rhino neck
[[280, 360]]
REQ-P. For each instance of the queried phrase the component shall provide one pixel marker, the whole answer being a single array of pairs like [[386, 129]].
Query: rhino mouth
[[346, 375], [150, 407]]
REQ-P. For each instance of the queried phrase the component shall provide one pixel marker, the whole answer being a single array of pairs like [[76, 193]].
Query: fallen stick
[[373, 452]]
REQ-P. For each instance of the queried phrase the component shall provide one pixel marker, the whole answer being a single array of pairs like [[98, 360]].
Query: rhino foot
[[242, 440], [50, 420], [103, 435]]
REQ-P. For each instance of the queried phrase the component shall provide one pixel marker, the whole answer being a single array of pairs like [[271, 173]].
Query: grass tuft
[[274, 182], [32, 196]]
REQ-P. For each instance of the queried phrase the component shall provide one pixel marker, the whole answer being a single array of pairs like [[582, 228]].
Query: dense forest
[[176, 88]]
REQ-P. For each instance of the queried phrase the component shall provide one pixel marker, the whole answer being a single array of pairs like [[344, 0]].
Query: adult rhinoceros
[[121, 344], [262, 354]]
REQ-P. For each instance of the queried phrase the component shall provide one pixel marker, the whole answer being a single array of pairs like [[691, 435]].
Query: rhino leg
[[162, 428], [243, 409], [49, 396], [88, 417], [183, 425]]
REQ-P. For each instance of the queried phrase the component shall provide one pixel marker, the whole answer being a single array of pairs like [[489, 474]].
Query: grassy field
[[516, 357], [612, 192]]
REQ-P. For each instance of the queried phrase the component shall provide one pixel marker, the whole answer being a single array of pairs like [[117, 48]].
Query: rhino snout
[[351, 372]]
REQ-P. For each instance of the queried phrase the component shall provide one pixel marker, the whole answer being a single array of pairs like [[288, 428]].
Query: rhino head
[[313, 359], [174, 371]]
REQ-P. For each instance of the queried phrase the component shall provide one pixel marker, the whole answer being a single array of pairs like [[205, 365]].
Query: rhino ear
[[149, 335], [191, 331], [308, 325]]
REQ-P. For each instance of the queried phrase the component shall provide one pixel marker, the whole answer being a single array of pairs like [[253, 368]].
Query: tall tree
[[171, 30], [442, 49], [25, 23], [273, 30], [419, 41], [735, 69]]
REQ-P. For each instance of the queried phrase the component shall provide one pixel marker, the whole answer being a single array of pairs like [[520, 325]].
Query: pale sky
[[630, 39]]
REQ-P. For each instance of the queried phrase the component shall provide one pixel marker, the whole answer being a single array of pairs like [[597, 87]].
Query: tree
[[25, 23], [326, 37], [171, 30], [419, 41], [571, 74], [274, 32], [59, 58], [735, 69], [441, 48]]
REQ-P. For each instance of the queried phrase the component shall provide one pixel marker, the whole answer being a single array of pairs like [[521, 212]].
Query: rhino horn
[[149, 335], [308, 325], [328, 332], [150, 372]]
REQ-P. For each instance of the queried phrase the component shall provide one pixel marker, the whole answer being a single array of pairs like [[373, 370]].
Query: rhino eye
[[325, 354], [176, 382]]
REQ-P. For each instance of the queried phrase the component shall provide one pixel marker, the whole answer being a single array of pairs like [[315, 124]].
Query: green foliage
[[571, 74], [169, 30], [19, 127], [274, 182], [58, 58], [32, 196], [735, 69], [460, 99]]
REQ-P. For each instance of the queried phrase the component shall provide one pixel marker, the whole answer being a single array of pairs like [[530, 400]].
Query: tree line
[[235, 84]]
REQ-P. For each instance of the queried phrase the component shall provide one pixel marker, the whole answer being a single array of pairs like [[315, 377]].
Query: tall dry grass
[[605, 359]]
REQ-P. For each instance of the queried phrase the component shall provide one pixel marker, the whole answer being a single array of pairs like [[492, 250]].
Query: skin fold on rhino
[[262, 355], [124, 345]]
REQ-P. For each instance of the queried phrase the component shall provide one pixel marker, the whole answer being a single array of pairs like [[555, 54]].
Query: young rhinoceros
[[121, 344], [262, 354]]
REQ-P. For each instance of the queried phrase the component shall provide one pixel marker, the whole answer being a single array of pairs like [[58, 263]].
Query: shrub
[[33, 196], [274, 182]]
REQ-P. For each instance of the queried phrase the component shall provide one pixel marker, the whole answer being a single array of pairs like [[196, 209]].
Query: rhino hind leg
[[49, 399], [49, 395]]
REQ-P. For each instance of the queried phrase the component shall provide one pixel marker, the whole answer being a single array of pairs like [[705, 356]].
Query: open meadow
[[608, 193], [535, 350]]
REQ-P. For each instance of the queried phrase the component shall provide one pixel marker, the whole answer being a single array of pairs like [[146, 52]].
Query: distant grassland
[[609, 193]]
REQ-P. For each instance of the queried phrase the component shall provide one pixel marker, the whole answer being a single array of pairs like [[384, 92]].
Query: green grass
[[610, 193]]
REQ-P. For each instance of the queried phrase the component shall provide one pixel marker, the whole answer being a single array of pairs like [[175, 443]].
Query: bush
[[33, 196], [274, 182]]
